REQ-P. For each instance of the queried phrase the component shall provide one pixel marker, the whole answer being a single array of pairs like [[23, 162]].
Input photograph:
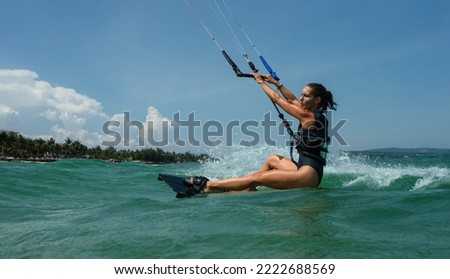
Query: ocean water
[[384, 206]]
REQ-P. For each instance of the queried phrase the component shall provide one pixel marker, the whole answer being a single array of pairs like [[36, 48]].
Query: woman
[[279, 172]]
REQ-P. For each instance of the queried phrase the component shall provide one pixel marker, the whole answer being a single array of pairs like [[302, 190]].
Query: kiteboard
[[181, 186]]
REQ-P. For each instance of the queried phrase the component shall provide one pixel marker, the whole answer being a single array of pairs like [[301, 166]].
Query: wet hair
[[326, 102]]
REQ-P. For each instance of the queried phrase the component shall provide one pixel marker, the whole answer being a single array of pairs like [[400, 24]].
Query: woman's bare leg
[[277, 172], [277, 162]]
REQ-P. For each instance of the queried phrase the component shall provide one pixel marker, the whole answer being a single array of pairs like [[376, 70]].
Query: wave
[[390, 172], [343, 169]]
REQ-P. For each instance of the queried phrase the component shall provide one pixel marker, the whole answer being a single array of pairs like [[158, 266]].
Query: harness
[[313, 142]]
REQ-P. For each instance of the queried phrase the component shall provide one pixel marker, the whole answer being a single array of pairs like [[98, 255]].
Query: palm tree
[[51, 145]]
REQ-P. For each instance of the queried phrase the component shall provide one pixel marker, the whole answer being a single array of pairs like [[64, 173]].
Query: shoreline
[[51, 160]]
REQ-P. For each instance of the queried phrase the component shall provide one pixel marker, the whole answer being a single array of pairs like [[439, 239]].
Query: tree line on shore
[[14, 146]]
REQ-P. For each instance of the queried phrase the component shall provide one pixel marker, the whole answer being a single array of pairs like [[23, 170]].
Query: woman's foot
[[195, 185]]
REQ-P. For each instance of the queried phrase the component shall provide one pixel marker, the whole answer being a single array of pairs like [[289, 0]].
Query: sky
[[128, 73]]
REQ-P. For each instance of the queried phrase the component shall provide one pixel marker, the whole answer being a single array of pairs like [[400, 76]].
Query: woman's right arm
[[290, 105]]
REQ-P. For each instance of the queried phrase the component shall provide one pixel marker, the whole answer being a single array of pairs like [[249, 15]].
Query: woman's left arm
[[287, 94], [291, 104]]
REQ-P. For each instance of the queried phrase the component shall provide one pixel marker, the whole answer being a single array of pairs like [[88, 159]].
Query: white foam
[[432, 176], [379, 173], [239, 160], [360, 170]]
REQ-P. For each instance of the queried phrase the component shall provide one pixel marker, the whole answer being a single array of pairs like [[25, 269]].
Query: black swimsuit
[[305, 160], [312, 145]]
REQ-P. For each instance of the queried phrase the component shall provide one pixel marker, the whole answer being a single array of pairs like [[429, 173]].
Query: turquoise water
[[387, 206]]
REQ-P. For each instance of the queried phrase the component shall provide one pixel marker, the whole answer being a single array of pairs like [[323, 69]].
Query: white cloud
[[124, 131], [115, 133], [34, 107], [8, 117], [6, 111], [50, 115], [157, 120]]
